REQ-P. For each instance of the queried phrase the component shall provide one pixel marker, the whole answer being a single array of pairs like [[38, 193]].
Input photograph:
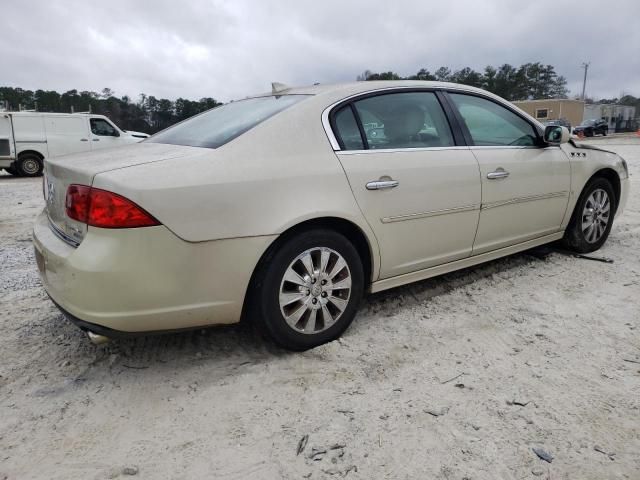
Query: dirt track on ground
[[451, 378]]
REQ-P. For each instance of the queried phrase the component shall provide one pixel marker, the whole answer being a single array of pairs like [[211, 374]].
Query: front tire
[[592, 217], [29, 165], [308, 289]]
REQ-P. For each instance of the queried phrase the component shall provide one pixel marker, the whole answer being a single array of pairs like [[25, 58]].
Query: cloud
[[231, 49]]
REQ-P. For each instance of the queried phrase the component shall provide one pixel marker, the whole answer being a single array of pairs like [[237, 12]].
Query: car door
[[525, 183], [103, 134], [66, 134], [7, 148], [418, 190]]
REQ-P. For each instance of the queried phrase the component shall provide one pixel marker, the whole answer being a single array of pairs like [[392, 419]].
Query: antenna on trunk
[[277, 87]]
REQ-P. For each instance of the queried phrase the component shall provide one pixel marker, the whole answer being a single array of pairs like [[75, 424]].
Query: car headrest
[[403, 122]]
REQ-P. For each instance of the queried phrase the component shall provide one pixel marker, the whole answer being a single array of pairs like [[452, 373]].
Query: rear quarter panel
[[277, 175]]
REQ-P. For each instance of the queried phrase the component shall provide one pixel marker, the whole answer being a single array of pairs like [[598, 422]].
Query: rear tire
[[307, 291], [29, 165], [592, 217]]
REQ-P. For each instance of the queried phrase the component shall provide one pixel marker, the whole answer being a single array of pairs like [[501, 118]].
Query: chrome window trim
[[326, 124], [503, 147], [432, 213], [400, 150]]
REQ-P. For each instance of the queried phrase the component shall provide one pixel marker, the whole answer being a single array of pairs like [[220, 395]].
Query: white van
[[27, 138]]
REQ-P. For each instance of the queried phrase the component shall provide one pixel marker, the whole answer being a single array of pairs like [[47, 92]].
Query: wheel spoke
[[307, 261], [293, 277], [338, 302], [287, 298], [588, 230], [310, 327], [337, 268], [324, 260], [328, 318], [342, 284], [295, 317]]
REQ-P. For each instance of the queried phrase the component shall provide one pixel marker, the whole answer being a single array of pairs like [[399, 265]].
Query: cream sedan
[[287, 207]]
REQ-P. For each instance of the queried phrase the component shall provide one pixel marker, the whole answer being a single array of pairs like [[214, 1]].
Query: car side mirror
[[555, 135]]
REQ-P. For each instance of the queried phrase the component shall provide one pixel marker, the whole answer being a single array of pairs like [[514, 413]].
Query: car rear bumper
[[145, 280]]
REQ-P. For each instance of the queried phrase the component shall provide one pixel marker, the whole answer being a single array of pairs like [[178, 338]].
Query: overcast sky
[[226, 50]]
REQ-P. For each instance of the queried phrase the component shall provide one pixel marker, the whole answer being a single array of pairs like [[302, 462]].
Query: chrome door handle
[[96, 139], [499, 173], [84, 139], [380, 184]]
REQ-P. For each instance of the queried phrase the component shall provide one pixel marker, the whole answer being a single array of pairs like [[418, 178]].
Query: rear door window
[[404, 120], [347, 129]]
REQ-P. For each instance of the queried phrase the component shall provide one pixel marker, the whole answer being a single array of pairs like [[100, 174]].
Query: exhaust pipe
[[97, 339]]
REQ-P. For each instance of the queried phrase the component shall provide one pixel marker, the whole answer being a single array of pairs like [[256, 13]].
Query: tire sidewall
[[574, 236], [270, 316]]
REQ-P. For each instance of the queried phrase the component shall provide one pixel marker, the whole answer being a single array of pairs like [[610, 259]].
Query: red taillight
[[100, 208], [77, 202]]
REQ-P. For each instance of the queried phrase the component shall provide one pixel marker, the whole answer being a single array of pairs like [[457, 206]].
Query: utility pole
[[584, 82]]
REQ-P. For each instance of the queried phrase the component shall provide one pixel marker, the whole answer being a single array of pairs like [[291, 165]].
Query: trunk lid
[[81, 168]]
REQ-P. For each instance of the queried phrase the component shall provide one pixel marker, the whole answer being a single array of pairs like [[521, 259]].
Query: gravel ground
[[451, 378]]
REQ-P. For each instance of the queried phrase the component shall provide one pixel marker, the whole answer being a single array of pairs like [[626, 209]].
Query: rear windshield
[[220, 125]]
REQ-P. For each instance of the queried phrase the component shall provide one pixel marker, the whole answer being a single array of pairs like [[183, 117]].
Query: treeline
[[623, 100], [149, 114], [526, 82]]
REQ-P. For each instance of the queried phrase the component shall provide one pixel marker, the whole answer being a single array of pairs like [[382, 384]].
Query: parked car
[[589, 128], [279, 208], [562, 122], [27, 138]]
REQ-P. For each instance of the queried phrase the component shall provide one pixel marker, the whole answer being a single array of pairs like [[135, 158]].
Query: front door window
[[491, 124]]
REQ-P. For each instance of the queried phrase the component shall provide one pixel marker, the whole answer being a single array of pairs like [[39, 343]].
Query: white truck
[[27, 138]]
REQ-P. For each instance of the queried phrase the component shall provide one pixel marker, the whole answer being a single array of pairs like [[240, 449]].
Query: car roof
[[57, 114], [342, 90]]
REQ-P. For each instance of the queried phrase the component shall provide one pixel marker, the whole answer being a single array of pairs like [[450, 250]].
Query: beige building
[[554, 109]]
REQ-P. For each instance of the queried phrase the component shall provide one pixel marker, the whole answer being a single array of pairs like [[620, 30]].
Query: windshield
[[588, 123], [220, 125]]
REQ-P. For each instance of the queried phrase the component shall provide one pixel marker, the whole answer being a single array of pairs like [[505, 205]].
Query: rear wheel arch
[[345, 227], [336, 224]]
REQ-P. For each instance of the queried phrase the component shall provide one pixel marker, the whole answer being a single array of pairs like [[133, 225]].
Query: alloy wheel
[[596, 215], [315, 290]]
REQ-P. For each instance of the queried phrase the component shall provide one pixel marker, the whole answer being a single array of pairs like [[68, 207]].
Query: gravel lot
[[451, 378]]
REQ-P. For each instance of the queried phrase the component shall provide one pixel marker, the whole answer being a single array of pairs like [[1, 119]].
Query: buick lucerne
[[287, 207]]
